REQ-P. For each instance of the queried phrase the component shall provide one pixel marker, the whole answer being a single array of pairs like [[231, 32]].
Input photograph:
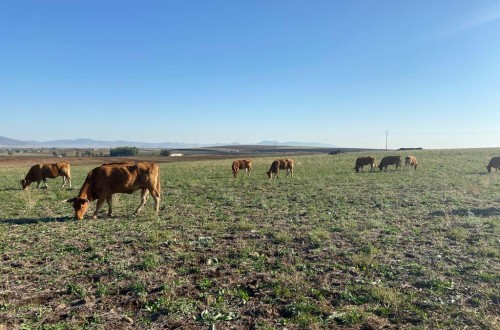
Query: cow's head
[[489, 168], [269, 173], [25, 183], [80, 205]]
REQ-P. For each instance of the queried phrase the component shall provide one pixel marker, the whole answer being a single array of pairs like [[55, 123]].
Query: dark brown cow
[[411, 161], [40, 172], [362, 161], [242, 164], [108, 179], [390, 160], [494, 163], [281, 164]]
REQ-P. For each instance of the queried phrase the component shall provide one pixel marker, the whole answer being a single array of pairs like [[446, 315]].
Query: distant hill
[[296, 144], [11, 143], [89, 143]]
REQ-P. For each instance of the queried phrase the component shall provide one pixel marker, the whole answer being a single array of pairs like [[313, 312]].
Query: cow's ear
[[70, 200]]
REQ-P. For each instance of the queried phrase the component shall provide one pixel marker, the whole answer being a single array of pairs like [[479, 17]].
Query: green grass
[[329, 248]]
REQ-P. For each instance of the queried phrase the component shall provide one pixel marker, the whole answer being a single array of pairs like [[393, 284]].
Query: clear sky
[[338, 72]]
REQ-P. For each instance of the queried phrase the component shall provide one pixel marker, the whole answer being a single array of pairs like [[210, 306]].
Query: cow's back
[[122, 178], [361, 161], [49, 171], [390, 160], [494, 162]]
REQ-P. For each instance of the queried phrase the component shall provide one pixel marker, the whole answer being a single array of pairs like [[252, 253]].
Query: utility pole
[[386, 135]]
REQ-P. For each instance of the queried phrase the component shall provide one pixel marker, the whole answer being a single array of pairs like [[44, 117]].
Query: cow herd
[[410, 161], [102, 182], [127, 177], [278, 164]]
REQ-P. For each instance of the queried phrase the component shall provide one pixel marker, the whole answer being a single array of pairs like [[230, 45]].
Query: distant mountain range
[[89, 143]]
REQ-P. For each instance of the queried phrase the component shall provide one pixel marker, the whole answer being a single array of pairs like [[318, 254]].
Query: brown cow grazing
[[242, 164], [390, 160], [495, 163], [108, 179], [281, 164], [362, 161], [411, 161], [40, 172]]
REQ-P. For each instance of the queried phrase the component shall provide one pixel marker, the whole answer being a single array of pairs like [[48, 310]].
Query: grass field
[[326, 249]]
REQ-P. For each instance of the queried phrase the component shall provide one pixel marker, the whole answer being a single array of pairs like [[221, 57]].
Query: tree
[[123, 151]]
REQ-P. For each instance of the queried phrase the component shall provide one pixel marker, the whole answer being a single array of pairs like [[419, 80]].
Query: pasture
[[326, 249]]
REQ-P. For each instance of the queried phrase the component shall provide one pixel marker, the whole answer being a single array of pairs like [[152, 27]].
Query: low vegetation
[[328, 248]]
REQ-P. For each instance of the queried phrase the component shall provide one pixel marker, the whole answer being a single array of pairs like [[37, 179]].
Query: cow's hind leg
[[66, 179], [156, 197], [144, 198], [109, 200]]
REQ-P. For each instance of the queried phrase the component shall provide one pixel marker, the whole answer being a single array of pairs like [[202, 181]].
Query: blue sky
[[338, 72]]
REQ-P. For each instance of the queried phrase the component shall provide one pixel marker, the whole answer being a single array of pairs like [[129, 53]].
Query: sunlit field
[[326, 249]]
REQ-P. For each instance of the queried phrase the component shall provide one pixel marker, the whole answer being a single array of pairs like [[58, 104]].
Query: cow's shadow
[[11, 189], [479, 173], [477, 212], [34, 221], [41, 188]]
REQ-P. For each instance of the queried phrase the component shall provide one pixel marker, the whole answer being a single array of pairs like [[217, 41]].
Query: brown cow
[[108, 179], [40, 172], [242, 164], [281, 164], [495, 163], [390, 160], [362, 161], [411, 161]]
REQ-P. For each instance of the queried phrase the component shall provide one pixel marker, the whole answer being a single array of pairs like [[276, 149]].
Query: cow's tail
[[157, 188], [235, 168], [158, 185], [68, 172]]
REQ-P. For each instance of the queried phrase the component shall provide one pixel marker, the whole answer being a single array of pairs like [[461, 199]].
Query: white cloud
[[486, 16]]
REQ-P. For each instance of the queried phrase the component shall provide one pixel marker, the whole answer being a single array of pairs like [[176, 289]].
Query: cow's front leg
[[64, 182], [97, 207], [46, 185]]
